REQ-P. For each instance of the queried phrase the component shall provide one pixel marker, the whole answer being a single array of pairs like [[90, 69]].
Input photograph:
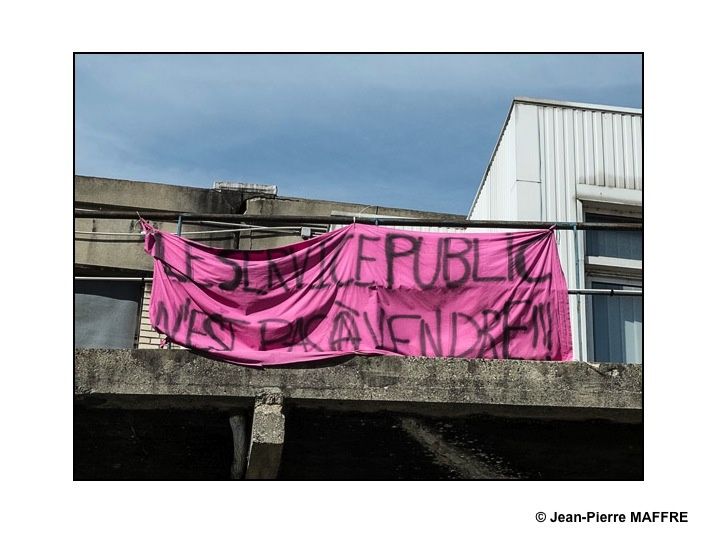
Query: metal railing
[[602, 292], [295, 223], [245, 222], [297, 220]]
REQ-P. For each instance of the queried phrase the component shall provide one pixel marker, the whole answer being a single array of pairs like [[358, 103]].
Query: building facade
[[575, 162], [147, 411]]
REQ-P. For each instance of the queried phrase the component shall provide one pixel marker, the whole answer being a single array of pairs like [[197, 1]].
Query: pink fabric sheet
[[364, 290]]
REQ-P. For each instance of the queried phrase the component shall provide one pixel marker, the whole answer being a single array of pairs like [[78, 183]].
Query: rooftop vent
[[261, 189]]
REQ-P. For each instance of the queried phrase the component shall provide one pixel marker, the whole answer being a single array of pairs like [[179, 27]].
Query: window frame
[[615, 270], [604, 262], [589, 280]]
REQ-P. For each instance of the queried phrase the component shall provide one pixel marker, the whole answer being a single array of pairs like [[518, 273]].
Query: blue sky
[[410, 131]]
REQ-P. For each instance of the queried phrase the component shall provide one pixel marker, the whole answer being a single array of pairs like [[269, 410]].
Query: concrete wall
[[125, 252], [439, 386], [284, 206], [288, 206]]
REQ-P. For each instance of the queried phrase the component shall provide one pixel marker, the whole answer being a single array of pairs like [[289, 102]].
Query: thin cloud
[[419, 129]]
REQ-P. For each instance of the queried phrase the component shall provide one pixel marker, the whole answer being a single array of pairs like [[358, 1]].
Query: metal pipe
[[196, 233], [179, 233], [108, 233], [577, 300], [112, 278], [243, 226], [608, 292], [347, 220]]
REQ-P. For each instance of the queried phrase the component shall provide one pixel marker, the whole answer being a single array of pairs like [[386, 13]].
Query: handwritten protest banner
[[364, 290]]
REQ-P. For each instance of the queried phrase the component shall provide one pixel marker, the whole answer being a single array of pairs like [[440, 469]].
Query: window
[[616, 325], [106, 314], [613, 244], [613, 260]]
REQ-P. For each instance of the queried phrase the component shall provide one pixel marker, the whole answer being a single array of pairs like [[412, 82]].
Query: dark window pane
[[619, 244], [106, 314], [617, 326]]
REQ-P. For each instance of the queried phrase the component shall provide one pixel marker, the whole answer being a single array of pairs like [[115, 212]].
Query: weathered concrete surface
[[98, 253], [126, 252], [267, 437], [289, 206], [292, 206], [441, 387], [109, 193]]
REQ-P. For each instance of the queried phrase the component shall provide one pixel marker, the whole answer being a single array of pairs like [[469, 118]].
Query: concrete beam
[[91, 191], [267, 438], [441, 386]]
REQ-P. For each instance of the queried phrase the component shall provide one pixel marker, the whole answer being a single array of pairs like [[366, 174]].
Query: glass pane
[[617, 326], [106, 314], [618, 244]]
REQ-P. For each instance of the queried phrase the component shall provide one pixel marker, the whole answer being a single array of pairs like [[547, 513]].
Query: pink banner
[[364, 290]]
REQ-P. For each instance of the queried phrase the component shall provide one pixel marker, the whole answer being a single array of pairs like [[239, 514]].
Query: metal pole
[[577, 299], [601, 292], [606, 292], [347, 220], [179, 233], [112, 278]]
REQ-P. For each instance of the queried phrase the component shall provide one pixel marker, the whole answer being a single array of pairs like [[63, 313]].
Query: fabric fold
[[364, 289]]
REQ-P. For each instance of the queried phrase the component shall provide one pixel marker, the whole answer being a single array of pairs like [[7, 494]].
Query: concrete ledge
[[451, 386]]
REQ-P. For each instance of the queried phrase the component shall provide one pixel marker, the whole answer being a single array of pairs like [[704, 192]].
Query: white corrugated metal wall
[[498, 196], [545, 152]]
